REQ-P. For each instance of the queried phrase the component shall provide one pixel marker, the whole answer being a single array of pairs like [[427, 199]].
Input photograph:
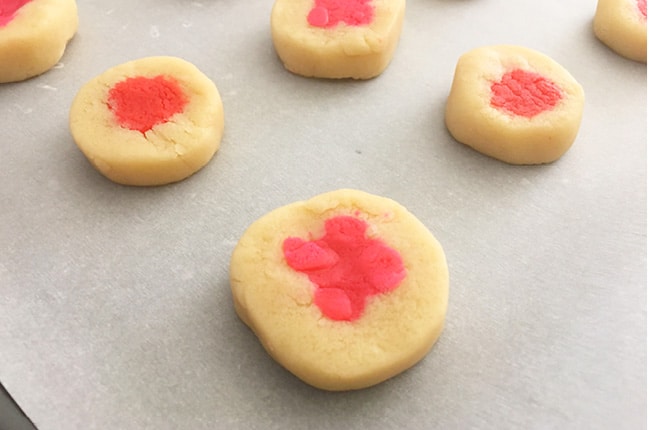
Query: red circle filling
[[328, 13], [345, 266], [525, 93], [140, 103], [8, 9], [643, 7]]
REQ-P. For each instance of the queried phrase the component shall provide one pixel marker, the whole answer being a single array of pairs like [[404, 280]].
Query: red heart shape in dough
[[346, 266], [8, 9], [525, 93], [328, 13], [643, 7], [139, 103]]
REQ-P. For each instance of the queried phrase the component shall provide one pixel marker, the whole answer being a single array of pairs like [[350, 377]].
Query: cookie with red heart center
[[151, 121], [34, 35], [336, 38], [623, 26], [514, 104], [344, 290]]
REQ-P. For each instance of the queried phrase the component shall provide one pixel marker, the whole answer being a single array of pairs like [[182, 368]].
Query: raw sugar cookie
[[34, 35], [344, 290], [514, 104], [150, 121], [623, 26], [336, 38]]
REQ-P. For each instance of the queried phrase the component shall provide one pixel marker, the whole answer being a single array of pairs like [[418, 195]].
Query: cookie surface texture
[[150, 121], [344, 290], [514, 104], [623, 26], [336, 38], [34, 35]]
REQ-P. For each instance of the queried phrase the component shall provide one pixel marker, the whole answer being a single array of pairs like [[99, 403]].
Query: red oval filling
[[140, 103], [328, 13], [525, 93], [8, 9], [643, 7], [345, 266]]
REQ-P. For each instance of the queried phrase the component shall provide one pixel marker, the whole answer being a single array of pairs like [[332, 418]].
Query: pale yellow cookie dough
[[166, 153], [472, 119], [344, 51], [35, 39], [394, 332], [620, 25]]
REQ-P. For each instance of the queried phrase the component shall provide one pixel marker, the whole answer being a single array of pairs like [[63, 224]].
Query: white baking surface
[[115, 309]]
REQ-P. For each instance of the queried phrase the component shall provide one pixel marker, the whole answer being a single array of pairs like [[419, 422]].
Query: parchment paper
[[115, 308]]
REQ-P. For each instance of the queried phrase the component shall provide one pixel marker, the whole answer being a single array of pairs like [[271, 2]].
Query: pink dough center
[[8, 10], [525, 93], [328, 13], [643, 7], [345, 266], [140, 103]]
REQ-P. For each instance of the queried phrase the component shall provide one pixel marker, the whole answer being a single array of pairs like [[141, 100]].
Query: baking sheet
[[115, 309]]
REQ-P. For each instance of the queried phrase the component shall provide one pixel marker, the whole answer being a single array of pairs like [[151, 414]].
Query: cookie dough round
[[514, 104], [336, 38], [344, 290], [623, 26], [151, 121], [34, 35]]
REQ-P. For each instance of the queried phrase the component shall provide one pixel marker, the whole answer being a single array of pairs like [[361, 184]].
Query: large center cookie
[[344, 290]]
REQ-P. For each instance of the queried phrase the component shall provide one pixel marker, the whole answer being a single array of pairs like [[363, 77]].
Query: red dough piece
[[329, 13], [8, 9], [525, 93], [140, 103], [643, 7], [346, 267]]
